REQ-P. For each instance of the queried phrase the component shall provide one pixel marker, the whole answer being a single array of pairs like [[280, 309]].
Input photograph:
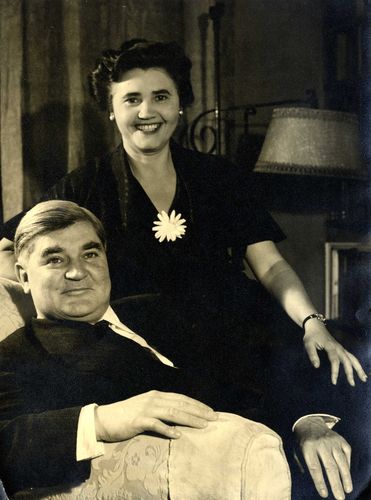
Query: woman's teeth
[[149, 127]]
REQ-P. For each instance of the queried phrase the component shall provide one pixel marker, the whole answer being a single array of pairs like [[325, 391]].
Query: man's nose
[[146, 109], [76, 271]]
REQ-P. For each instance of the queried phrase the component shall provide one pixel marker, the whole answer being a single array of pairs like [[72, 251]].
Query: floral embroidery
[[169, 228]]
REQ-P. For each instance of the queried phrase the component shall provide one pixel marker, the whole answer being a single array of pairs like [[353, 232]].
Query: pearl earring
[[180, 112], [111, 116]]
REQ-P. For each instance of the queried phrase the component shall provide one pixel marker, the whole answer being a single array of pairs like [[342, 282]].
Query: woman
[[180, 222]]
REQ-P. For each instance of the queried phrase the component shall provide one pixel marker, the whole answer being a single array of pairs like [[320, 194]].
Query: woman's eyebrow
[[161, 91], [131, 94]]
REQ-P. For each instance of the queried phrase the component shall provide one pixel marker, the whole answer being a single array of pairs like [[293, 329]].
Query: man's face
[[67, 274]]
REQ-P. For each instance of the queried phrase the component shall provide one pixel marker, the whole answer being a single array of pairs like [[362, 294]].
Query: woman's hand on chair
[[317, 337]]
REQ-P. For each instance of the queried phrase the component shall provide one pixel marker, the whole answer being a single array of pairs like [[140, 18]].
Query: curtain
[[49, 124], [11, 55]]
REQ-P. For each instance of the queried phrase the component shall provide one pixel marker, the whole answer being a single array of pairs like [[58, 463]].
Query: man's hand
[[325, 450], [317, 337], [152, 411]]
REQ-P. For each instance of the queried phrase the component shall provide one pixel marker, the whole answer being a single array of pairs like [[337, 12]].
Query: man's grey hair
[[49, 216]]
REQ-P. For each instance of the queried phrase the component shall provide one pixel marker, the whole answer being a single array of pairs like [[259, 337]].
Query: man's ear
[[22, 276]]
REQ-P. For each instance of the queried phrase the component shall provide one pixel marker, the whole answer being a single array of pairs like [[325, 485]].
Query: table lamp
[[314, 142]]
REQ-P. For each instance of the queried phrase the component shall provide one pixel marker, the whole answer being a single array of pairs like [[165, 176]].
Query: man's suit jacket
[[49, 370]]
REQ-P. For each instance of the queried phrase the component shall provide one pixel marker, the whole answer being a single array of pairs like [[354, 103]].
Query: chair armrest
[[232, 458], [15, 307]]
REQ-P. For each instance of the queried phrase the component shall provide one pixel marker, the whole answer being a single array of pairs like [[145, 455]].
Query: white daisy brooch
[[169, 228]]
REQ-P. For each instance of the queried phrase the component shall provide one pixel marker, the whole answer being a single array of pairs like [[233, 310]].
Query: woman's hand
[[151, 411], [321, 445], [317, 337]]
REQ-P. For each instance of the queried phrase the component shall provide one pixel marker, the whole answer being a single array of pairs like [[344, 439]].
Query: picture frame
[[347, 278]]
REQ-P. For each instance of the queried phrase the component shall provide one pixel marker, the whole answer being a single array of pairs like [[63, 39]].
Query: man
[[70, 382]]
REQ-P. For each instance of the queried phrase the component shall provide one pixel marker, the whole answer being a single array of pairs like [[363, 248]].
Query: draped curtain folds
[[11, 55], [49, 124], [71, 28]]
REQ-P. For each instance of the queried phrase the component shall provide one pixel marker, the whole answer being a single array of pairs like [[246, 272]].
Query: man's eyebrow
[[92, 244], [51, 250]]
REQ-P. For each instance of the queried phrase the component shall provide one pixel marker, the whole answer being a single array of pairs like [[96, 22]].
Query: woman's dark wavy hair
[[140, 53]]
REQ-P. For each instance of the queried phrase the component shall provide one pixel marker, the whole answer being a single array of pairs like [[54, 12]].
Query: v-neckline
[[134, 200], [150, 202], [124, 164]]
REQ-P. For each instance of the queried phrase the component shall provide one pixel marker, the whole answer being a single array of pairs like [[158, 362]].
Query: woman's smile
[[148, 128]]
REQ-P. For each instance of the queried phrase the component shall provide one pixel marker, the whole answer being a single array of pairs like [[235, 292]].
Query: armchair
[[233, 458]]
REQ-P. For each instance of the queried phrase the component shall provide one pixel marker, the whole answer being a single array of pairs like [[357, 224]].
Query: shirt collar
[[111, 317]]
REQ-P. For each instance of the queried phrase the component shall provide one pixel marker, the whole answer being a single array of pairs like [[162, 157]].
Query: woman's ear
[[22, 276]]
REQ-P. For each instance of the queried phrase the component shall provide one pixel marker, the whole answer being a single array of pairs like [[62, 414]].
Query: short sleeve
[[251, 222]]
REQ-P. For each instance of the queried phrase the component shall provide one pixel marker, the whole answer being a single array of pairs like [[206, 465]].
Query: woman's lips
[[148, 127]]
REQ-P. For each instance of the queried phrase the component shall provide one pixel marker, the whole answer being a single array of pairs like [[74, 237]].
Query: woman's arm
[[278, 277], [7, 260]]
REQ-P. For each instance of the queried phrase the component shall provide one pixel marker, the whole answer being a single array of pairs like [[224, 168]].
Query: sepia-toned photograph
[[185, 249]]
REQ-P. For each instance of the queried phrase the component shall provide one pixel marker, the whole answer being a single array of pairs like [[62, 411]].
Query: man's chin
[[87, 313]]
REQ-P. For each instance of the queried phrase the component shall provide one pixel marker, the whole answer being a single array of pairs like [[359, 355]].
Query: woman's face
[[146, 108]]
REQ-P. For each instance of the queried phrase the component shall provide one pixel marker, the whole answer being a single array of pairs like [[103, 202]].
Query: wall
[[278, 49]]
